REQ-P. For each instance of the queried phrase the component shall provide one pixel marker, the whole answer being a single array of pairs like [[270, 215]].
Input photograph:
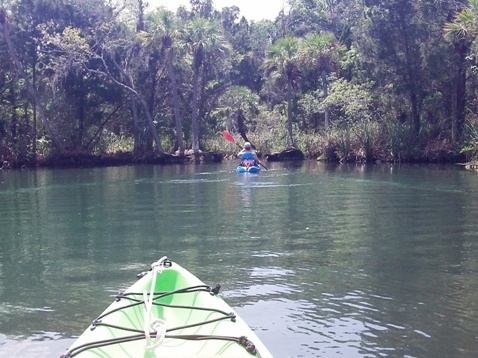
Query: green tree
[[462, 33], [322, 52], [23, 73], [108, 51], [204, 41], [164, 34], [281, 64], [389, 41]]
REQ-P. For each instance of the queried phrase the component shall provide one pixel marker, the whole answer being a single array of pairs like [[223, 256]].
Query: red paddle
[[228, 136]]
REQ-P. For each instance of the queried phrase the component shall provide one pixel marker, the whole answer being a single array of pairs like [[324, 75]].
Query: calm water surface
[[321, 260]]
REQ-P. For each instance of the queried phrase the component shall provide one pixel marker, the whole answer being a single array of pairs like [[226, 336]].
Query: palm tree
[[462, 32], [282, 63], [203, 39], [163, 34], [322, 52]]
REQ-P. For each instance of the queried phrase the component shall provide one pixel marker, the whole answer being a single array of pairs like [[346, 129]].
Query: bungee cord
[[156, 330]]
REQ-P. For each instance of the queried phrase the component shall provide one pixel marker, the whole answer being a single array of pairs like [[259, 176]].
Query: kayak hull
[[251, 169], [168, 312]]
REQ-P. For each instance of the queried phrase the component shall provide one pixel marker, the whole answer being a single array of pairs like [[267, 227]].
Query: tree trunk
[[194, 115], [461, 102], [415, 113], [136, 136], [81, 113], [241, 125], [152, 128], [35, 125], [290, 138], [459, 94], [14, 118], [100, 128], [325, 88], [144, 104], [177, 115]]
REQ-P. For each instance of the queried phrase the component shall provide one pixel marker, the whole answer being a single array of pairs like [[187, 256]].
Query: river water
[[322, 260]]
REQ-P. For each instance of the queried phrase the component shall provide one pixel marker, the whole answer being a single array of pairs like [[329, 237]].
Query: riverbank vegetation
[[91, 81]]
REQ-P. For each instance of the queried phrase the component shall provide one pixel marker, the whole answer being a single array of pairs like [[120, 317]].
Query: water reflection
[[246, 182]]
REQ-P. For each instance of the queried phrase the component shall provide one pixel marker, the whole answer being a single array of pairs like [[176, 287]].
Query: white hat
[[247, 145]]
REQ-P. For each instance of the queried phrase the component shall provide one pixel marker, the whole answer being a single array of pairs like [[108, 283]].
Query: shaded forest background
[[346, 80]]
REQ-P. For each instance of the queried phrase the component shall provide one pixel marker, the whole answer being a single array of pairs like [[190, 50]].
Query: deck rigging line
[[133, 297]]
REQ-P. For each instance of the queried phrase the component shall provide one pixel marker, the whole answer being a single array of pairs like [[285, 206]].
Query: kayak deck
[[169, 312]]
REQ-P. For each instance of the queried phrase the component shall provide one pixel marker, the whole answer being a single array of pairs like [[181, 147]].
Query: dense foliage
[[340, 79]]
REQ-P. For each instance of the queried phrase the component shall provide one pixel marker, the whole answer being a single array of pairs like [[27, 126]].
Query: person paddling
[[248, 156]]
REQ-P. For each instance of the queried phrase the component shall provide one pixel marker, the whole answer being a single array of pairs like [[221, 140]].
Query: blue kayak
[[249, 169]]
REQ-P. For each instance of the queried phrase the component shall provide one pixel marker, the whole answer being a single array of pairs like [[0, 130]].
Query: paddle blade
[[228, 136]]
